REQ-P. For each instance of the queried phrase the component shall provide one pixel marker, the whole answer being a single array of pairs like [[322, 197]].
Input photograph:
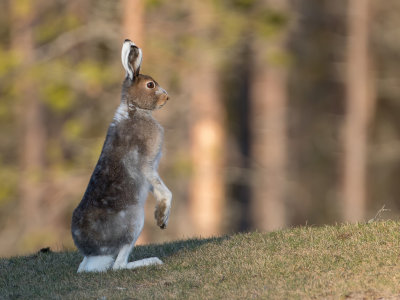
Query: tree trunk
[[358, 110], [268, 98], [269, 153], [207, 190], [30, 116], [133, 15]]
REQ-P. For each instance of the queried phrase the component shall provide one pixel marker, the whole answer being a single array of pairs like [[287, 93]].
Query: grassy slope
[[352, 261]]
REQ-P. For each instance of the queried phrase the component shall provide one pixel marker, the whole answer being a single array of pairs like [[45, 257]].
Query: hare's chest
[[131, 163]]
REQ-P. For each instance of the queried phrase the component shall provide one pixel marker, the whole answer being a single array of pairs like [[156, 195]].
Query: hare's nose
[[166, 94]]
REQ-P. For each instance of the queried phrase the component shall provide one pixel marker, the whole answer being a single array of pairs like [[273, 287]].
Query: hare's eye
[[150, 85]]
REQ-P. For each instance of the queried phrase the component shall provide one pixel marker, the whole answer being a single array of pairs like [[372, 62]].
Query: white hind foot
[[99, 263], [118, 265], [144, 262], [82, 265]]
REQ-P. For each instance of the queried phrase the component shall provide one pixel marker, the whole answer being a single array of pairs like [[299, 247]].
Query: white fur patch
[[82, 264], [122, 258], [126, 48], [160, 91], [121, 113], [99, 263], [144, 262]]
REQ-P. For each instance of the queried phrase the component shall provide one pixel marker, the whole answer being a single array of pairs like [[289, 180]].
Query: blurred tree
[[207, 186], [384, 150], [268, 92], [236, 77], [316, 100], [132, 21], [33, 142], [358, 111]]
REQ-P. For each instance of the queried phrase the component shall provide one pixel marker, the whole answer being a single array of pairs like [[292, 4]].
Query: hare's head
[[138, 90]]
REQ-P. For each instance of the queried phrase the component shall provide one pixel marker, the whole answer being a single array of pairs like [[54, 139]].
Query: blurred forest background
[[282, 113]]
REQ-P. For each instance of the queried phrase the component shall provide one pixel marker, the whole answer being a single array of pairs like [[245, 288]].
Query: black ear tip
[[127, 40], [134, 51]]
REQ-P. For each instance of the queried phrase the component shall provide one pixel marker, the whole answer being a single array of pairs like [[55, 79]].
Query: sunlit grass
[[352, 261]]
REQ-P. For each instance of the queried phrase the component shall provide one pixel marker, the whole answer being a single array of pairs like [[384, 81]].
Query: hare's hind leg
[[100, 263], [82, 265], [122, 260], [144, 262]]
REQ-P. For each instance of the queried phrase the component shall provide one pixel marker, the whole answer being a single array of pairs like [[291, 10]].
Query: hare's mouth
[[161, 102], [160, 105]]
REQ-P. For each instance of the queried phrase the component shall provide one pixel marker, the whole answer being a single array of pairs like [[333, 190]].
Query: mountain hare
[[110, 217]]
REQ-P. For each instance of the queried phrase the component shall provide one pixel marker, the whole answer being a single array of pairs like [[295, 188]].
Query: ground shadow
[[172, 248]]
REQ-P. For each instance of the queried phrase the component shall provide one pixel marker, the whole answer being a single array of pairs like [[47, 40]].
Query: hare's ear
[[131, 57]]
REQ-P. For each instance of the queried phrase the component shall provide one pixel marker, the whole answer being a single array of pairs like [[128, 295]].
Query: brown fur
[[159, 214], [137, 94], [111, 214]]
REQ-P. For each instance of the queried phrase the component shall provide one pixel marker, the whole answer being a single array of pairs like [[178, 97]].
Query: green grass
[[333, 262]]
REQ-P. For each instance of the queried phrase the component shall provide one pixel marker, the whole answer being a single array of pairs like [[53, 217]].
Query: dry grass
[[331, 262]]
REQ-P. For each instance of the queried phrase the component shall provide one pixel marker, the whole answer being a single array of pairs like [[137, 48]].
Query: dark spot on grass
[[45, 250]]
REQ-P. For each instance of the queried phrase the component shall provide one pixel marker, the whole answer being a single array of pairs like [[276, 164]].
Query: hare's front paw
[[162, 213]]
